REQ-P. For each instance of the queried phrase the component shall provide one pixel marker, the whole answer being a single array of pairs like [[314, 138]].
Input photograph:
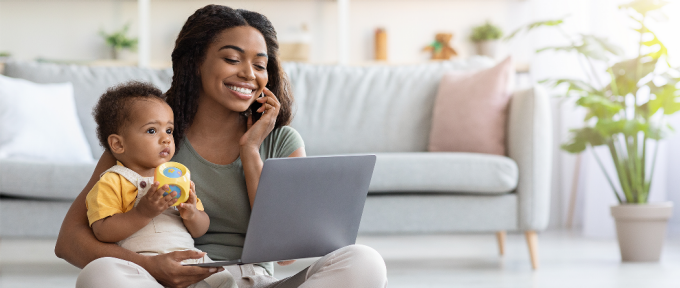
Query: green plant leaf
[[586, 49], [626, 76], [119, 39], [666, 97], [608, 127], [604, 43], [487, 31], [534, 25], [663, 51], [573, 85], [580, 138], [644, 6], [599, 106]]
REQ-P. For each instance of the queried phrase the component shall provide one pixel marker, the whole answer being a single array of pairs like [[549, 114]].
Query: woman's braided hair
[[197, 34]]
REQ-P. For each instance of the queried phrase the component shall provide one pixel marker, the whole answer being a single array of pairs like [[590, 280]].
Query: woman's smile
[[244, 92]]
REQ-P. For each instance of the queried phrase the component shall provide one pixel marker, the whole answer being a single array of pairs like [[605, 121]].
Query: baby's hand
[[188, 209], [154, 203]]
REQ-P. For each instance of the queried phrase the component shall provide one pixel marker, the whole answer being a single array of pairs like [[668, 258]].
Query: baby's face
[[147, 136]]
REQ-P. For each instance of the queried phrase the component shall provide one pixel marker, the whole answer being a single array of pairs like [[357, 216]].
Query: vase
[[641, 230], [487, 48]]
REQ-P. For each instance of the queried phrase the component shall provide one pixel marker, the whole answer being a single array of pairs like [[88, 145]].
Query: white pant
[[355, 266]]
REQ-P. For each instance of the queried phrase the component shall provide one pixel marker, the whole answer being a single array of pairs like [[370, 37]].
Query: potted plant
[[626, 113], [486, 38], [118, 41]]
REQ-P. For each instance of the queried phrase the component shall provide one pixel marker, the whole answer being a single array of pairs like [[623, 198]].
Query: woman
[[223, 59]]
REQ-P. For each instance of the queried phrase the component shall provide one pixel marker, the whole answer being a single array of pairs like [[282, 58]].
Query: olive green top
[[222, 189]]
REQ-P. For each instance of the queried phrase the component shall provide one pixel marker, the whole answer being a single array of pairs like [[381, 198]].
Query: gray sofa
[[384, 110]]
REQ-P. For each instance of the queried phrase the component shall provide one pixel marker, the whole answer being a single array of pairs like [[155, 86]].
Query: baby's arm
[[120, 226], [195, 220]]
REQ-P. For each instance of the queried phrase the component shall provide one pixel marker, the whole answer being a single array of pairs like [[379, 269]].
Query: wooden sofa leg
[[500, 235], [532, 242]]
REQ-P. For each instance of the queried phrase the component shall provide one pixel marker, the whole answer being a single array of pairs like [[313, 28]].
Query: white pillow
[[39, 122]]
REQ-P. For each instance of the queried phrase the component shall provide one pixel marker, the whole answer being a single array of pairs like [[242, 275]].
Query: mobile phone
[[253, 109]]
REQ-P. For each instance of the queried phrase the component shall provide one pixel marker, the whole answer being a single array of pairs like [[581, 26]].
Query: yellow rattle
[[178, 179]]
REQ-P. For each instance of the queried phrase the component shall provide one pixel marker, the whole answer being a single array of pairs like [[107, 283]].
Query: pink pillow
[[470, 110]]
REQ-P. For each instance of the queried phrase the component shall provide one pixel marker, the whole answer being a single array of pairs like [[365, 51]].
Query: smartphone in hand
[[253, 109]]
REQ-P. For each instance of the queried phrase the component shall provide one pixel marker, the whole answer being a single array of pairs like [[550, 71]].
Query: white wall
[[67, 30]]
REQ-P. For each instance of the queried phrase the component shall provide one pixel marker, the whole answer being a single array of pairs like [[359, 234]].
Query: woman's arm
[[250, 142], [76, 242], [77, 245], [252, 168], [255, 134]]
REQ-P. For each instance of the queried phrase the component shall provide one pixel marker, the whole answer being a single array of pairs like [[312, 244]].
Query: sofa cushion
[[36, 179], [88, 84], [366, 109], [470, 111], [438, 213], [26, 108], [452, 172]]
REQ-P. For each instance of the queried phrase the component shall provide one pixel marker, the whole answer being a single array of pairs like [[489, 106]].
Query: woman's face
[[234, 72]]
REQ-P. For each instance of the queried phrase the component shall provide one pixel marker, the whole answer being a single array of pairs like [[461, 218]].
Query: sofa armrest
[[530, 145]]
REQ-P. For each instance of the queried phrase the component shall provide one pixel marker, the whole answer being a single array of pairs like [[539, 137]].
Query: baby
[[135, 124]]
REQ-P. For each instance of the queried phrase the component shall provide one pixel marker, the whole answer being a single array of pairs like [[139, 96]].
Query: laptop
[[305, 207]]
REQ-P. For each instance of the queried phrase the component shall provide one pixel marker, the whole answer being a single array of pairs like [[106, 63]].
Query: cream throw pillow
[[39, 122], [470, 110]]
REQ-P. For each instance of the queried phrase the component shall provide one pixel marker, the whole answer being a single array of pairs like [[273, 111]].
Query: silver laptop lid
[[307, 207]]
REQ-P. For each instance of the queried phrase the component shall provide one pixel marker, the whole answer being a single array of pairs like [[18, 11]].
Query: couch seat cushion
[[36, 179], [451, 172]]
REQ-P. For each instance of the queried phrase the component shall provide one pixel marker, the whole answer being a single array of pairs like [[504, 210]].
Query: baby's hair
[[113, 108]]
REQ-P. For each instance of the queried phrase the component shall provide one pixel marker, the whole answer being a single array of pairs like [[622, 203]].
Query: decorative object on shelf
[[294, 44], [486, 38], [627, 111], [380, 44], [119, 41], [440, 48]]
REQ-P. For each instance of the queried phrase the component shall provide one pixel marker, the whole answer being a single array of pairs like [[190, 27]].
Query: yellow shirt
[[113, 194]]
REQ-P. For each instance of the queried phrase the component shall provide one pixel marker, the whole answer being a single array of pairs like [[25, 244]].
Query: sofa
[[381, 109]]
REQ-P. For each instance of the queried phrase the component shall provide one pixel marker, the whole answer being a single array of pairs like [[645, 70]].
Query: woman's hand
[[287, 262], [167, 269], [259, 130]]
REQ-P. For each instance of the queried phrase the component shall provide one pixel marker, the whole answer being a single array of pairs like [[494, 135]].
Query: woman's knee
[[364, 258]]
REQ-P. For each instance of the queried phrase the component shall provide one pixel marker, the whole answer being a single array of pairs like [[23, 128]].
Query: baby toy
[[177, 177]]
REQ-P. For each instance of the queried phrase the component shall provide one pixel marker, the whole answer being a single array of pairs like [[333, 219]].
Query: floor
[[567, 260]]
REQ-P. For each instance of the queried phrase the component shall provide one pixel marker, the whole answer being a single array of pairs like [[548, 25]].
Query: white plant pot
[[487, 48], [641, 230]]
